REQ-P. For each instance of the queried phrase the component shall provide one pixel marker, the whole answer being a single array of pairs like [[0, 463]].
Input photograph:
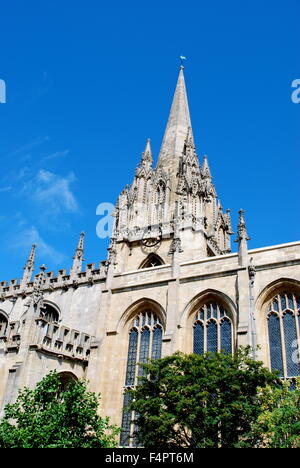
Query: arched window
[[3, 325], [151, 261], [284, 334], [66, 378], [145, 341], [212, 329], [50, 314]]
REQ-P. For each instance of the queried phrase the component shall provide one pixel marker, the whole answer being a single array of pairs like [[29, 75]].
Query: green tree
[[52, 417], [204, 401], [278, 426]]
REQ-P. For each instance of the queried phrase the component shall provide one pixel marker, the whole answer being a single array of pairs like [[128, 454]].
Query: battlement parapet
[[62, 280]]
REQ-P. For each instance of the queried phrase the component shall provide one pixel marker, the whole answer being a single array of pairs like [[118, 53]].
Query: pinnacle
[[205, 168], [178, 126], [147, 154], [242, 230]]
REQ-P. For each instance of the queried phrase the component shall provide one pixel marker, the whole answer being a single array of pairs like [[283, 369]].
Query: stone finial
[[78, 255], [29, 267], [242, 230], [242, 239], [37, 296]]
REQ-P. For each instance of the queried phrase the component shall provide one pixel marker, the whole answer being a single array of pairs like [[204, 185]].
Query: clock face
[[151, 242]]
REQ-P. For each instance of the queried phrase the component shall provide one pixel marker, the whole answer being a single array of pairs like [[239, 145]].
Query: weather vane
[[182, 58]]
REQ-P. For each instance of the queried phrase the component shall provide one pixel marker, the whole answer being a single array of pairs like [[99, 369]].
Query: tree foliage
[[204, 401], [278, 426], [52, 417]]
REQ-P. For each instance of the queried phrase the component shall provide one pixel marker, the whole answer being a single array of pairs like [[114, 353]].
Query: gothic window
[[145, 340], [284, 334], [152, 260], [66, 378], [212, 330], [50, 314], [3, 325]]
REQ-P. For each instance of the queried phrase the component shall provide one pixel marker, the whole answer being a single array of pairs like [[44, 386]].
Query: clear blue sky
[[89, 82]]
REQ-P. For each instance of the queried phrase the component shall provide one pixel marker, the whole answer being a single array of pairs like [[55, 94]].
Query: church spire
[[178, 127], [29, 267], [78, 256]]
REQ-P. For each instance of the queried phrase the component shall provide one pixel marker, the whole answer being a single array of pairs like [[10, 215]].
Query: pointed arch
[[140, 305], [51, 312], [211, 319], [151, 261], [66, 377], [275, 287], [204, 297]]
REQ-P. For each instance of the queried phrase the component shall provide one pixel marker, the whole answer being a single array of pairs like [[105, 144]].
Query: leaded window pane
[[156, 344], [290, 337], [226, 337], [144, 341], [144, 349], [144, 319], [131, 361], [212, 337], [198, 338], [291, 301], [284, 335], [283, 302], [126, 422], [275, 344], [211, 333]]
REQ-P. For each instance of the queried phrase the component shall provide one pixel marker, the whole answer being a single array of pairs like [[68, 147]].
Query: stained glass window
[[145, 341], [212, 330], [284, 334]]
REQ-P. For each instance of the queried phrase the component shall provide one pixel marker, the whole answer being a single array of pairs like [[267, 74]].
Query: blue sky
[[88, 83]]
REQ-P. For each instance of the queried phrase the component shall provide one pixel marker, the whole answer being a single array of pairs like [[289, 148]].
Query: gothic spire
[[178, 127], [78, 255], [29, 266], [147, 158]]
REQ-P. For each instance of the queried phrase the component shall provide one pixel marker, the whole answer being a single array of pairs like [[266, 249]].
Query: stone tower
[[173, 207]]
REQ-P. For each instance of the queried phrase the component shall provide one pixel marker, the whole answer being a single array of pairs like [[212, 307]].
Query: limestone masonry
[[170, 282]]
